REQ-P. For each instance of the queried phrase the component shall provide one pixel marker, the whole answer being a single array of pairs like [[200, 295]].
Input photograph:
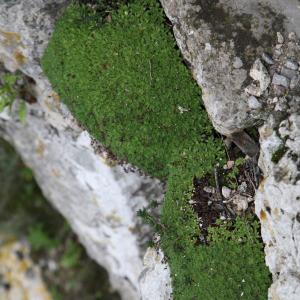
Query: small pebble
[[237, 63], [208, 47], [287, 72], [272, 100], [292, 65], [253, 103], [254, 90], [208, 189], [267, 58], [292, 36], [226, 192], [280, 38], [281, 106], [279, 90], [230, 164], [280, 80], [241, 202], [242, 188], [295, 82], [277, 53]]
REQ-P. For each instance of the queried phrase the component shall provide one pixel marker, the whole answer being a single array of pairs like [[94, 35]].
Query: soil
[[208, 201]]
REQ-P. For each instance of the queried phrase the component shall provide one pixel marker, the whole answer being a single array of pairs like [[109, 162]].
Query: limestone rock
[[278, 204], [254, 103], [259, 73], [243, 29], [98, 196], [155, 280]]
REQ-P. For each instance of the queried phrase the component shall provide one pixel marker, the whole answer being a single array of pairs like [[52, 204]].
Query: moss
[[279, 153], [125, 82]]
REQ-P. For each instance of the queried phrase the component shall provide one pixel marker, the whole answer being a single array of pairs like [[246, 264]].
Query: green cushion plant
[[125, 81]]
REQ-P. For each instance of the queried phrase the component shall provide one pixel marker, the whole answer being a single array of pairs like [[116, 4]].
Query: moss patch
[[126, 83], [279, 153]]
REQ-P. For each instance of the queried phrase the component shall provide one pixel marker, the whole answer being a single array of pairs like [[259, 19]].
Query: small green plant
[[279, 153], [39, 238], [71, 255], [7, 90], [8, 94], [56, 295], [231, 176], [148, 218]]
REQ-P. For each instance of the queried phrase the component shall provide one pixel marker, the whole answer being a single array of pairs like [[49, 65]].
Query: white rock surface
[[98, 197], [154, 281], [259, 73], [278, 207]]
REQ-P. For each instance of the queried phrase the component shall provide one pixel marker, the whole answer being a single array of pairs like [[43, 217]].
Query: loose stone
[[237, 63], [277, 53], [241, 202], [295, 82], [267, 58], [226, 192], [254, 103], [281, 104], [259, 73], [280, 38], [291, 65], [280, 80], [292, 36], [289, 73], [254, 90]]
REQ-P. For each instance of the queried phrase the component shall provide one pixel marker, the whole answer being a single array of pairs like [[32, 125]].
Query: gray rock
[[279, 90], [295, 82], [237, 63], [259, 73], [155, 280], [289, 73], [280, 38], [280, 80], [267, 58], [292, 36], [199, 23], [226, 192], [254, 90], [290, 64], [98, 198], [241, 202], [254, 103]]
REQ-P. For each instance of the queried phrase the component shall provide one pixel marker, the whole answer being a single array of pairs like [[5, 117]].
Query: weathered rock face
[[278, 200], [155, 279], [278, 205], [96, 195], [278, 197], [221, 39]]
